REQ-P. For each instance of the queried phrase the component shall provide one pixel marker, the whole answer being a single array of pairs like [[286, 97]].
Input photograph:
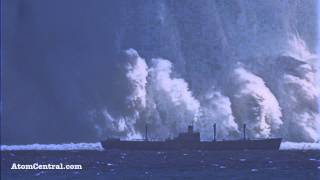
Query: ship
[[190, 140]]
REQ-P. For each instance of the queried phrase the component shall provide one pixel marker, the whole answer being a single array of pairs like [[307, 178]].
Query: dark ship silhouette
[[190, 140]]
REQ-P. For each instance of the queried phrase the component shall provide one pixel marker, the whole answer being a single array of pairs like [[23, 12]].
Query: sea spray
[[134, 71], [174, 102], [167, 105], [216, 109], [254, 104], [82, 73], [97, 146], [137, 72]]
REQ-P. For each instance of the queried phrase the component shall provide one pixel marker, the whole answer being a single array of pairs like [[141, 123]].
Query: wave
[[299, 146], [97, 146], [54, 147]]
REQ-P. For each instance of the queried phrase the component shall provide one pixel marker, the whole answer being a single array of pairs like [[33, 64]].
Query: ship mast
[[146, 135], [244, 132], [214, 132]]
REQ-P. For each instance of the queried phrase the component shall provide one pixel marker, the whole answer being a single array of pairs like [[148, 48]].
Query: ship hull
[[265, 144]]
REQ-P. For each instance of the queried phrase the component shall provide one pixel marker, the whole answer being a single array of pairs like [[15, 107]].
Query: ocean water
[[115, 164]]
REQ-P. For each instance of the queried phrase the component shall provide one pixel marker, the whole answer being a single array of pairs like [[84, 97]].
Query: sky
[[65, 61], [318, 27]]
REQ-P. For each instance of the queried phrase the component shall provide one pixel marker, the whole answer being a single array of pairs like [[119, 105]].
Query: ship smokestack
[[244, 131], [214, 132], [146, 136]]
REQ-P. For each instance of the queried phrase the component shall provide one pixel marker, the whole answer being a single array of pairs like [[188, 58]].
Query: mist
[[80, 71]]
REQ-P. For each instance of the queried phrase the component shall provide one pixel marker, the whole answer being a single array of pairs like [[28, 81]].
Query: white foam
[[216, 108], [175, 90], [299, 146], [97, 147], [54, 147], [137, 72], [297, 48], [171, 104], [162, 99], [254, 101]]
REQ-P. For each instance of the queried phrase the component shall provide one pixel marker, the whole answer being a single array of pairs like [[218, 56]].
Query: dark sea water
[[302, 165]]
